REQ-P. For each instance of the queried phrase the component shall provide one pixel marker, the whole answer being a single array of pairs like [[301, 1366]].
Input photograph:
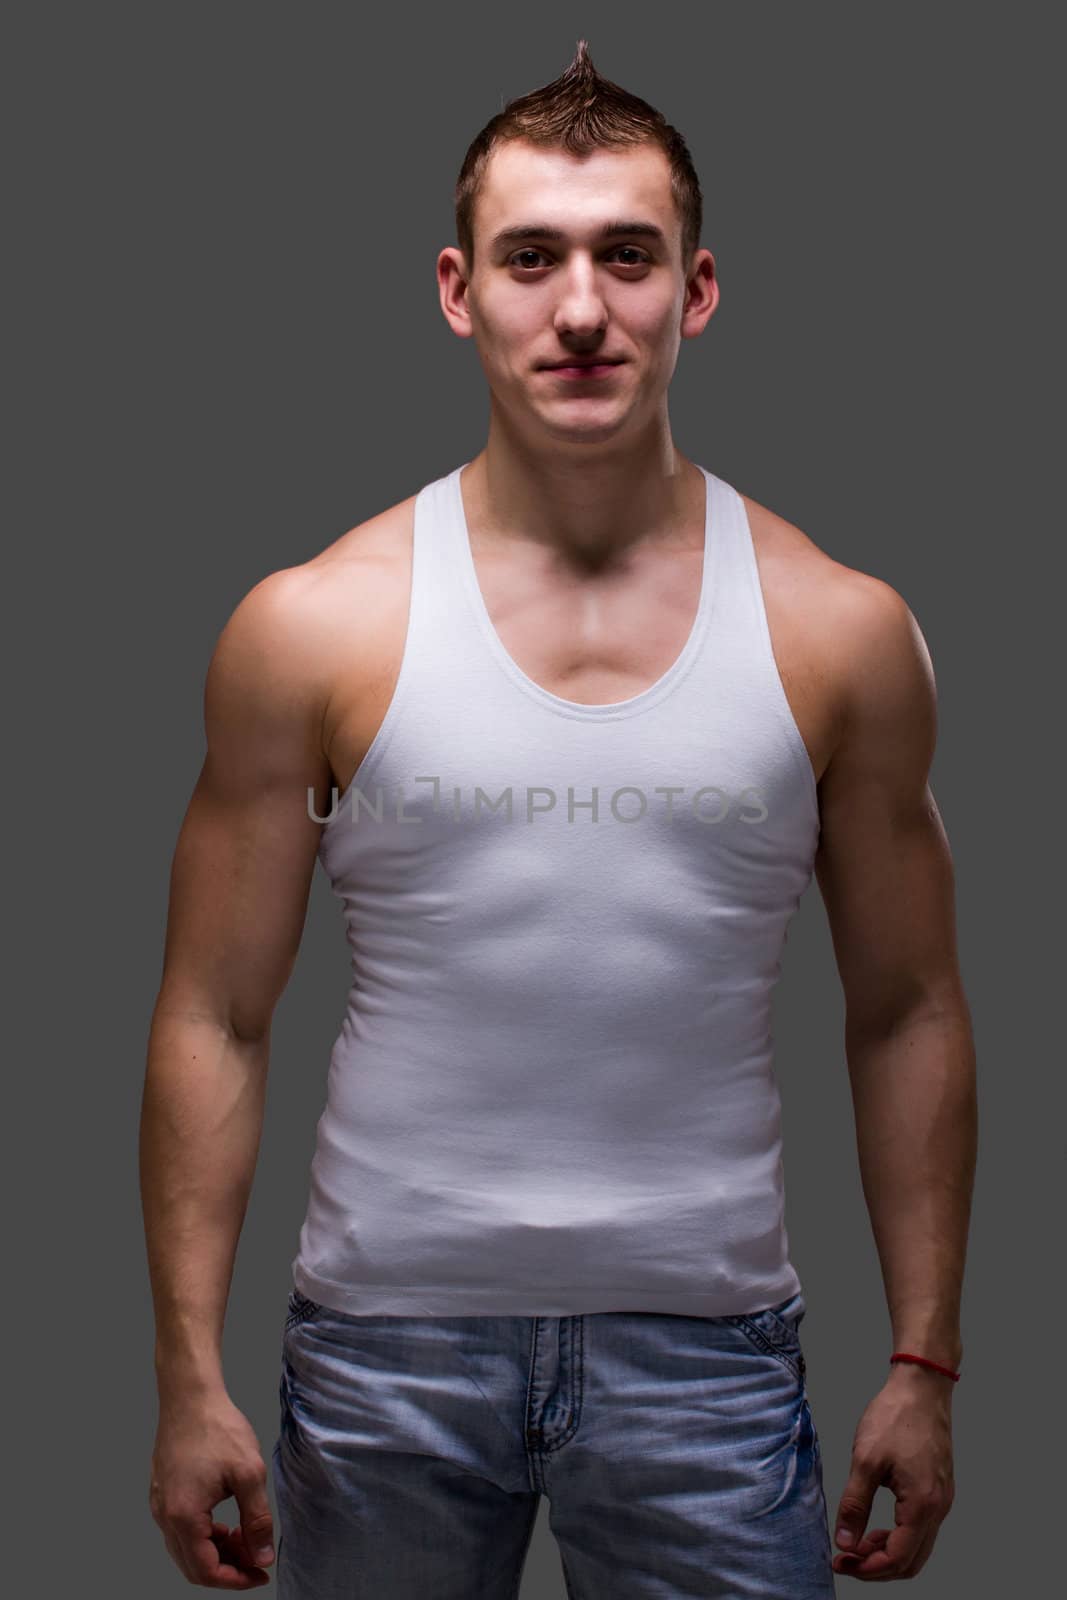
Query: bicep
[[245, 854], [884, 866]]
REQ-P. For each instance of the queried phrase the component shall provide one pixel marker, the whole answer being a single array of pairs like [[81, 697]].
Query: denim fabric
[[678, 1455]]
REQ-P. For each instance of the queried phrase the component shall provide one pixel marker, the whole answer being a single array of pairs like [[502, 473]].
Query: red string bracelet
[[921, 1361]]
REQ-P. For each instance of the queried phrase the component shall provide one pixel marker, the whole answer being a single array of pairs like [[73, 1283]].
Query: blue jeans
[[678, 1454]]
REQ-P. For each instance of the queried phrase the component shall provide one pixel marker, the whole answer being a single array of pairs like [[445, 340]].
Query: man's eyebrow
[[542, 230]]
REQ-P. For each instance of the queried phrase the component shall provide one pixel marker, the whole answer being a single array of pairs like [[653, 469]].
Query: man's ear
[[452, 282]]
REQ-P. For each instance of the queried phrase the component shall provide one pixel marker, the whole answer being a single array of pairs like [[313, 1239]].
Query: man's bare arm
[[885, 873], [238, 900]]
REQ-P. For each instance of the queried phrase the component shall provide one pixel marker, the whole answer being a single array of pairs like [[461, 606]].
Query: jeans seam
[[577, 1352]]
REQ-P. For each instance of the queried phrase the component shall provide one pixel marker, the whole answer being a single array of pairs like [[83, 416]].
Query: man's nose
[[581, 310]]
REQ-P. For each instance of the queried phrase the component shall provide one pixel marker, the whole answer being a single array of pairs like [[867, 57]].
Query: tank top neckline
[[597, 712]]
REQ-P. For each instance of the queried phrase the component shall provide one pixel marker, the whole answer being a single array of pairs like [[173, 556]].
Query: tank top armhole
[[777, 686], [378, 746]]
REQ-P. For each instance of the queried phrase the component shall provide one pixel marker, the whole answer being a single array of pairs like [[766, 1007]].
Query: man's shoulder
[[295, 624], [363, 558], [348, 581], [374, 539], [780, 543], [845, 638], [843, 604]]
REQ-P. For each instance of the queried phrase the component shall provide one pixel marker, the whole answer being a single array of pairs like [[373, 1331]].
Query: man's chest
[[588, 644]]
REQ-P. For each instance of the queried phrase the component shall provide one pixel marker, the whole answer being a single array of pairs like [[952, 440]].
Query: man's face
[[536, 299]]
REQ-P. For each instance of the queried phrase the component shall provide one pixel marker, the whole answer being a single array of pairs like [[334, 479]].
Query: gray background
[[224, 348]]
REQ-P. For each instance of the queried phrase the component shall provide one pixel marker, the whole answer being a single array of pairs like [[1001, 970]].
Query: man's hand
[[205, 1451], [904, 1440]]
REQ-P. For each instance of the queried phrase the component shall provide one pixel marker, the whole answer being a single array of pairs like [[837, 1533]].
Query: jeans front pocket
[[775, 1335]]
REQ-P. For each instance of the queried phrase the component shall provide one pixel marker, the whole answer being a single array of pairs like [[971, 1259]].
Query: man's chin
[[587, 430]]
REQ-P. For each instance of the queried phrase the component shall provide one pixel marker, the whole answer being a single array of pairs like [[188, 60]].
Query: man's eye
[[633, 250]]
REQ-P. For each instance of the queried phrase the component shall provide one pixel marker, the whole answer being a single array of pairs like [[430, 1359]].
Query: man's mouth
[[583, 369]]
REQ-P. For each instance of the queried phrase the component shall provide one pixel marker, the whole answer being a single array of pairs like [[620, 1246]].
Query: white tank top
[[553, 1090]]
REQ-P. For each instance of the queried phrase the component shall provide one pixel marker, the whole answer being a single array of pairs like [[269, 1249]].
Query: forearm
[[915, 1102], [201, 1120]]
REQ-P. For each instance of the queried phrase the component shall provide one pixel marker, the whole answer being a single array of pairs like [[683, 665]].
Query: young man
[[595, 720]]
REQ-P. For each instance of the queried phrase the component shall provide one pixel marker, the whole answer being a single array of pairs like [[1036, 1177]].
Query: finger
[[904, 1543], [850, 1561], [873, 1539], [257, 1523], [231, 1545], [922, 1555], [211, 1566], [854, 1509], [846, 1561], [901, 1546], [237, 1551], [863, 1545], [215, 1573]]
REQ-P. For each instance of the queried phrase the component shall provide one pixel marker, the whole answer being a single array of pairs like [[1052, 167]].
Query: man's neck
[[587, 510]]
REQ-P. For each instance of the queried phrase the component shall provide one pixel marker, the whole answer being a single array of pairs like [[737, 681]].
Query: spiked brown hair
[[580, 112]]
